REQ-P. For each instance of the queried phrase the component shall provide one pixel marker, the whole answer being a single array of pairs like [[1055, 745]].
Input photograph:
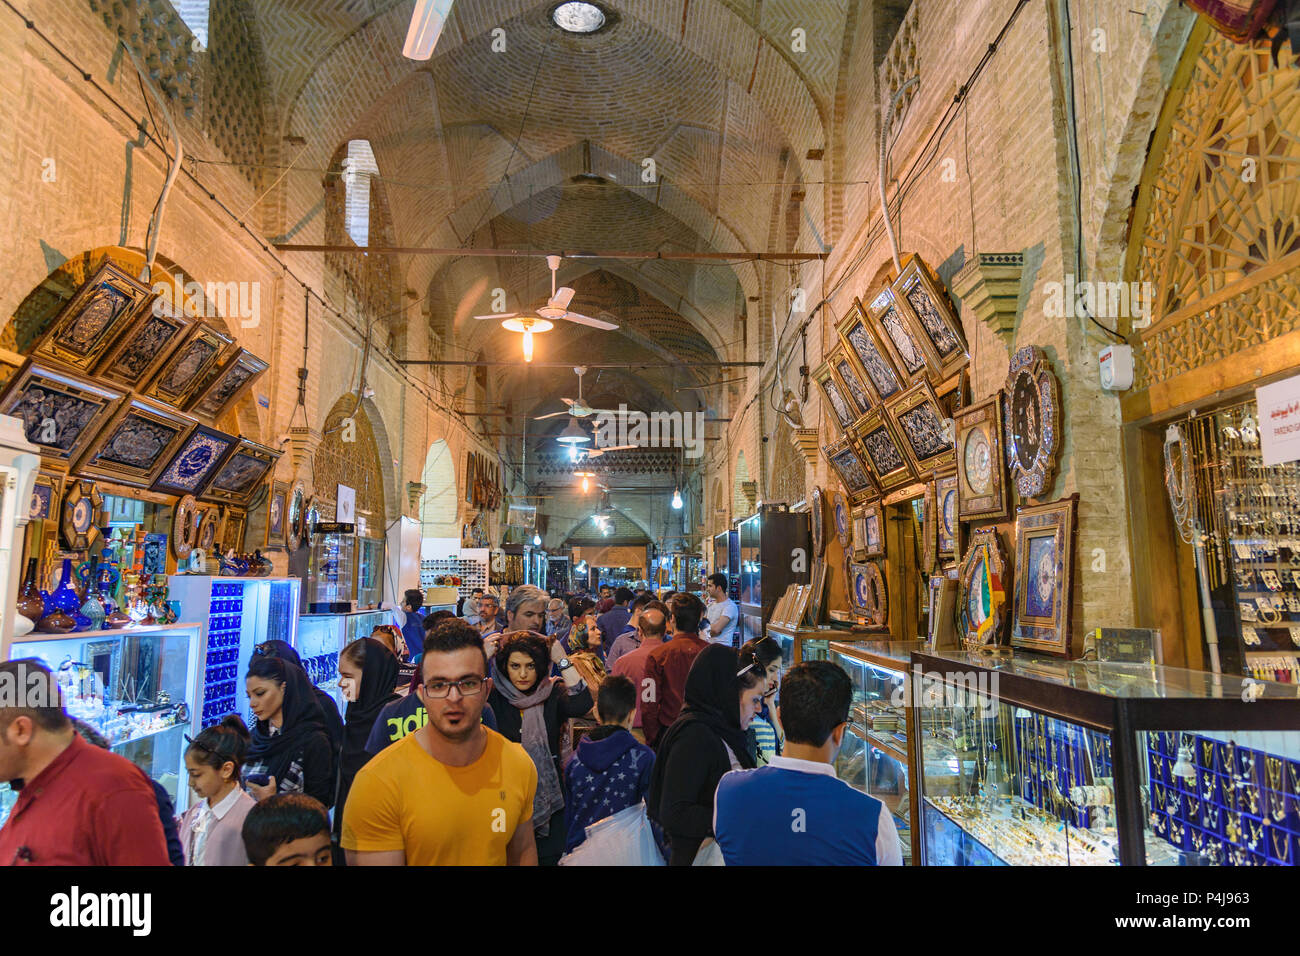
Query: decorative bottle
[[30, 604]]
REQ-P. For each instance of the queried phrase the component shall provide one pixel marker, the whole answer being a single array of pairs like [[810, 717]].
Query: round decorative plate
[[978, 459], [182, 536], [818, 522], [1033, 403], [843, 530], [876, 596]]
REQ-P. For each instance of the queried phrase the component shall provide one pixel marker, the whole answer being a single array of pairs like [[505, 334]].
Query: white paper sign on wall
[[1279, 420], [347, 505]]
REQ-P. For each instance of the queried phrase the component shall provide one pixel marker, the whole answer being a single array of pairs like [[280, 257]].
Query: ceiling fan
[[557, 307], [578, 409]]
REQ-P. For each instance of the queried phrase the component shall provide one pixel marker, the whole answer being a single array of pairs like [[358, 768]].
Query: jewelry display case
[[331, 572], [768, 541], [322, 636], [236, 615], [1030, 761], [800, 644], [874, 756], [141, 688]]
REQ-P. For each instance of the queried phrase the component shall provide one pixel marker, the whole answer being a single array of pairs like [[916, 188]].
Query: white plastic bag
[[621, 839], [709, 854]]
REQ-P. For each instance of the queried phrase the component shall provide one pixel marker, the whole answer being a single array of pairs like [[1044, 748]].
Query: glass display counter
[[238, 613], [331, 572], [322, 636], [874, 756], [1025, 761], [370, 572], [141, 688], [801, 643]]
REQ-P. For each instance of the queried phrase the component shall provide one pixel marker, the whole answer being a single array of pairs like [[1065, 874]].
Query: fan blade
[[588, 320], [497, 315], [568, 401], [617, 448], [563, 296], [539, 418]]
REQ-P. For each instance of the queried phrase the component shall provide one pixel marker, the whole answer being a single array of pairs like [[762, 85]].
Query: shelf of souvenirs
[[1021, 834], [121, 727], [893, 743], [1280, 666]]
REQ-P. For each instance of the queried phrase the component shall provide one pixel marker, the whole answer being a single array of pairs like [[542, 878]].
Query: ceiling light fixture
[[427, 21], [677, 499], [527, 324], [573, 434], [577, 17], [537, 540]]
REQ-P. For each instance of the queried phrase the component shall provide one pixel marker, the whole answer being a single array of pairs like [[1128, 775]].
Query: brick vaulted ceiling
[[542, 146]]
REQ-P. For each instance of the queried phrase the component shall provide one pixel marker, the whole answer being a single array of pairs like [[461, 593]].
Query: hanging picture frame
[[158, 330], [277, 511], [817, 593], [947, 524], [847, 461], [981, 463], [235, 377], [927, 305], [232, 531], [60, 413], [1032, 412], [910, 352], [876, 368], [843, 529], [883, 454], [841, 411], [982, 590], [1045, 542], [92, 319], [872, 542], [80, 502], [855, 390], [196, 462], [868, 594], [46, 494], [137, 442], [923, 433], [241, 474], [181, 374]]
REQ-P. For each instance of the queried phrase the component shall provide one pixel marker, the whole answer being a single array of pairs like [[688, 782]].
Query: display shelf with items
[[322, 636], [370, 572], [767, 545], [238, 614], [469, 569], [800, 644], [1027, 761], [331, 571], [875, 757], [726, 560], [141, 688]]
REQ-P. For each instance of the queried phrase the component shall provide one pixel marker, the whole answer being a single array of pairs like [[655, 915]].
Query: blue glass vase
[[65, 598]]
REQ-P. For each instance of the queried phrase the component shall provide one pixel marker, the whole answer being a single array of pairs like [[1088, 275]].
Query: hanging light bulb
[[528, 345], [586, 485], [677, 499], [537, 540]]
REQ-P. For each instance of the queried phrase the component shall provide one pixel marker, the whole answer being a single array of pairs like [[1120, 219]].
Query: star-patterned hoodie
[[609, 772]]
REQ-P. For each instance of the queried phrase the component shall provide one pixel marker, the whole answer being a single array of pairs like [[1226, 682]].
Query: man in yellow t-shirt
[[453, 793]]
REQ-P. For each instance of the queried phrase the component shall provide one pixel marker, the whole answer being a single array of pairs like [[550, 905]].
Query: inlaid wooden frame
[[981, 462], [136, 444], [61, 413], [92, 320], [47, 493], [947, 519], [840, 515], [883, 452], [872, 544], [852, 386], [981, 588], [929, 535], [862, 344], [868, 593], [817, 593], [1032, 420], [232, 531], [1045, 557], [158, 331], [277, 523], [922, 429], [911, 351], [833, 393], [932, 317], [179, 377], [236, 376], [240, 475], [11, 363], [847, 461], [817, 520]]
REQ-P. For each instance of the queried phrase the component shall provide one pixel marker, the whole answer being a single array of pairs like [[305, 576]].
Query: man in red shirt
[[650, 626], [663, 688], [78, 805]]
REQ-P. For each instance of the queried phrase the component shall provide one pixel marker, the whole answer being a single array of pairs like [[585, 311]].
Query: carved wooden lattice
[[787, 482], [1221, 242], [353, 463]]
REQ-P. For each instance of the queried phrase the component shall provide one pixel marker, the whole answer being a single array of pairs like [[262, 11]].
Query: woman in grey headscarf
[[531, 708]]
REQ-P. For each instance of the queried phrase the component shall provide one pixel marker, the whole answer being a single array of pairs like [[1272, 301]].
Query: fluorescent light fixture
[[427, 21]]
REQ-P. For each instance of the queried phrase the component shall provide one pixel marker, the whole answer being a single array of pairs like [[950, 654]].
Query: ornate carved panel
[[348, 455]]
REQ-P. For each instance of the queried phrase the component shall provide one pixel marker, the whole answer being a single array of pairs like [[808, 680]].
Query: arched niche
[[438, 510], [349, 455]]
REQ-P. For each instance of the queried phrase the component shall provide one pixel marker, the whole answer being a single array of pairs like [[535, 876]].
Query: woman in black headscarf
[[367, 671], [705, 741], [333, 719], [290, 745]]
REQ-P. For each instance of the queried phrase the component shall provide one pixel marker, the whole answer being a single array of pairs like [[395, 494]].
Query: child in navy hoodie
[[610, 771]]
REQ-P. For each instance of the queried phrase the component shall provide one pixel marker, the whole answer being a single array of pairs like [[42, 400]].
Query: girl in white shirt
[[211, 830]]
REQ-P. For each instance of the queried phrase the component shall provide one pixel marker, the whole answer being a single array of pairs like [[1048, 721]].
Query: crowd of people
[[492, 735]]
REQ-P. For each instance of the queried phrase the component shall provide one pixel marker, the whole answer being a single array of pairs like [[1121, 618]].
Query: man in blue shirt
[[413, 626], [794, 811], [614, 621]]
